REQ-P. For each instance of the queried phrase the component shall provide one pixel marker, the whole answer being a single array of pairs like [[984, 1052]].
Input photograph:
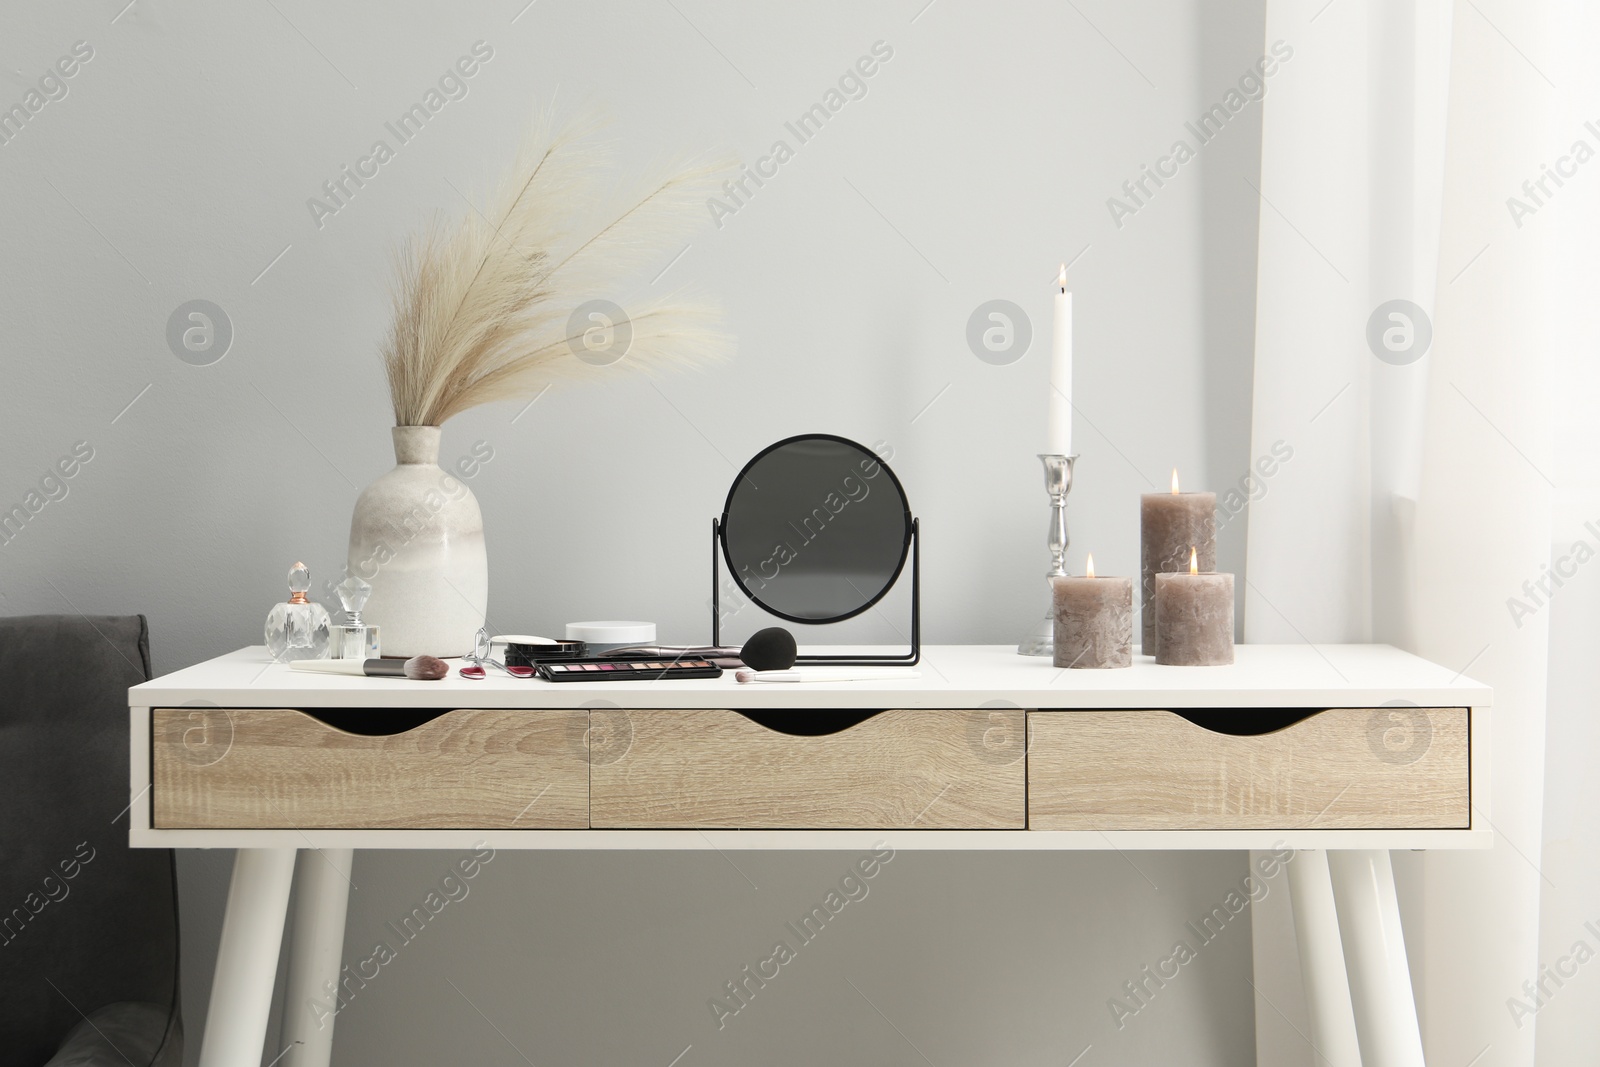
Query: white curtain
[[1569, 911], [1419, 497]]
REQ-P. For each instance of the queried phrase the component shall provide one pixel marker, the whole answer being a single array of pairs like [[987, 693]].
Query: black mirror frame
[[905, 541], [909, 549]]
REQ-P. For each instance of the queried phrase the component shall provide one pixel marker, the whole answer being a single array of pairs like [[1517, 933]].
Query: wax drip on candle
[[1088, 567], [1174, 481], [1194, 560]]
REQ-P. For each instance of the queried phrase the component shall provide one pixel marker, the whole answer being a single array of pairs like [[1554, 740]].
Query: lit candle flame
[[1061, 279], [1174, 481], [1088, 568], [1194, 560]]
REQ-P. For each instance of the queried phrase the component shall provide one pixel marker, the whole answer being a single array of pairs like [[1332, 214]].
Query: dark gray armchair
[[88, 926]]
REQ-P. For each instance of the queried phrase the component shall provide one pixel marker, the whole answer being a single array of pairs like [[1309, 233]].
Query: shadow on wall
[[1229, 171]]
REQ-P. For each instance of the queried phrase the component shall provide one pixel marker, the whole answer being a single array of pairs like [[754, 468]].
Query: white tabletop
[[952, 676]]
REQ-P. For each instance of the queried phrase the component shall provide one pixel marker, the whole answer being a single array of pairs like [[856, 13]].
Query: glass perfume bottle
[[354, 639], [298, 629]]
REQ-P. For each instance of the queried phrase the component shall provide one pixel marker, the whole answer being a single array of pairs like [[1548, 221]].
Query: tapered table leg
[[247, 958], [322, 896], [1375, 956], [1322, 969]]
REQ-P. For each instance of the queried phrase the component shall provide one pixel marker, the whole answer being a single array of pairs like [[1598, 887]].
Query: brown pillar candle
[[1170, 524], [1194, 619], [1093, 621]]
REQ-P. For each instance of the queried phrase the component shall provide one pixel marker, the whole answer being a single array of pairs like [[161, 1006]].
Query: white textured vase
[[417, 537]]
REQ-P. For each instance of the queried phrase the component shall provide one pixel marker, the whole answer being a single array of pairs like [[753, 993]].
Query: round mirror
[[816, 529]]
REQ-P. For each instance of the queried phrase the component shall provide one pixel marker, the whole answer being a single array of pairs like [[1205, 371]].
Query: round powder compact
[[523, 650], [601, 637]]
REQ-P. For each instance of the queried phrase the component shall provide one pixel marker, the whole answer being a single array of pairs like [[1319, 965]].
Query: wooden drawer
[[275, 767], [897, 769], [1345, 768]]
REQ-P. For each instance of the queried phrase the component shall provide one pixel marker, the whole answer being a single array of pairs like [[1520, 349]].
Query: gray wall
[[178, 166]]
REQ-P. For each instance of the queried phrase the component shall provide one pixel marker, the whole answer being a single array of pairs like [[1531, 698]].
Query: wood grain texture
[[1345, 768], [276, 767], [898, 769]]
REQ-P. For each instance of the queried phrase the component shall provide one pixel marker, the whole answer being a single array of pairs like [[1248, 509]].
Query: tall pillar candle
[[1170, 524], [1194, 617], [1093, 621]]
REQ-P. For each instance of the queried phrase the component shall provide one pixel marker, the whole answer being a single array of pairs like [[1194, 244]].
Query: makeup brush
[[771, 649], [850, 674], [417, 668]]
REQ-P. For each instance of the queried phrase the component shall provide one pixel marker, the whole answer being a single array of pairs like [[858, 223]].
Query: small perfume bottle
[[354, 639], [298, 629]]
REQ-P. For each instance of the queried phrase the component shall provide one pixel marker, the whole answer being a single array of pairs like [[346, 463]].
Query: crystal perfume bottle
[[354, 639], [298, 629]]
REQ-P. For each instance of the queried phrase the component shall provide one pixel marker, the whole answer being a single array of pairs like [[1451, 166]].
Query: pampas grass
[[482, 307]]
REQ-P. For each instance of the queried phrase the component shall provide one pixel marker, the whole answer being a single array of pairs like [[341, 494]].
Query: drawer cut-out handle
[[1246, 722], [375, 722], [809, 722]]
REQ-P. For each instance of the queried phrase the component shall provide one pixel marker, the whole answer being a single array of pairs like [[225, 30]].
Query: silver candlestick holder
[[1058, 483]]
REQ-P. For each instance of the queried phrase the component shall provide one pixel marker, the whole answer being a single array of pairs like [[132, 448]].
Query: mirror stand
[[905, 659]]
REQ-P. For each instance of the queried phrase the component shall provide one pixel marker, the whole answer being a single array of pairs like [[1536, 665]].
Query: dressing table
[[1355, 750]]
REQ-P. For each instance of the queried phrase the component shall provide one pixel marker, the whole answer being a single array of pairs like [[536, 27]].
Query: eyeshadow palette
[[644, 668]]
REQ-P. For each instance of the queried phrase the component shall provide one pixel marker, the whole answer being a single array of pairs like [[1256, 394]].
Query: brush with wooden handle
[[848, 674], [417, 668]]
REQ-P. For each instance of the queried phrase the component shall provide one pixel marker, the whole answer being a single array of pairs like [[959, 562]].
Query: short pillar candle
[[1170, 525], [1194, 618], [1093, 620]]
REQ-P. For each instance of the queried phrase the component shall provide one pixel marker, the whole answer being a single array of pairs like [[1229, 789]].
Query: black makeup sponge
[[772, 649]]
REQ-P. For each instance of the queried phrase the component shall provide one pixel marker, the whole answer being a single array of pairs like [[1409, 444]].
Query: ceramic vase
[[417, 537]]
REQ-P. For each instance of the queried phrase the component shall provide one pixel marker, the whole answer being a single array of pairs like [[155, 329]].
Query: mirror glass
[[816, 529]]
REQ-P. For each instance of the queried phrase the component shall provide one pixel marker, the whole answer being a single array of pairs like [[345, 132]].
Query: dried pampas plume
[[485, 310]]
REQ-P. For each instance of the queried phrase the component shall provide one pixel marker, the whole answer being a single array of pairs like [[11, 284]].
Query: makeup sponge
[[772, 649]]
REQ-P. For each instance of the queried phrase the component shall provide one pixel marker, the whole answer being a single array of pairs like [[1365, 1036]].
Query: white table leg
[[1322, 973], [247, 958], [322, 896], [1375, 956]]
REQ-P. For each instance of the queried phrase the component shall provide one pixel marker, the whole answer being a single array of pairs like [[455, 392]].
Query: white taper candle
[[1058, 433]]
